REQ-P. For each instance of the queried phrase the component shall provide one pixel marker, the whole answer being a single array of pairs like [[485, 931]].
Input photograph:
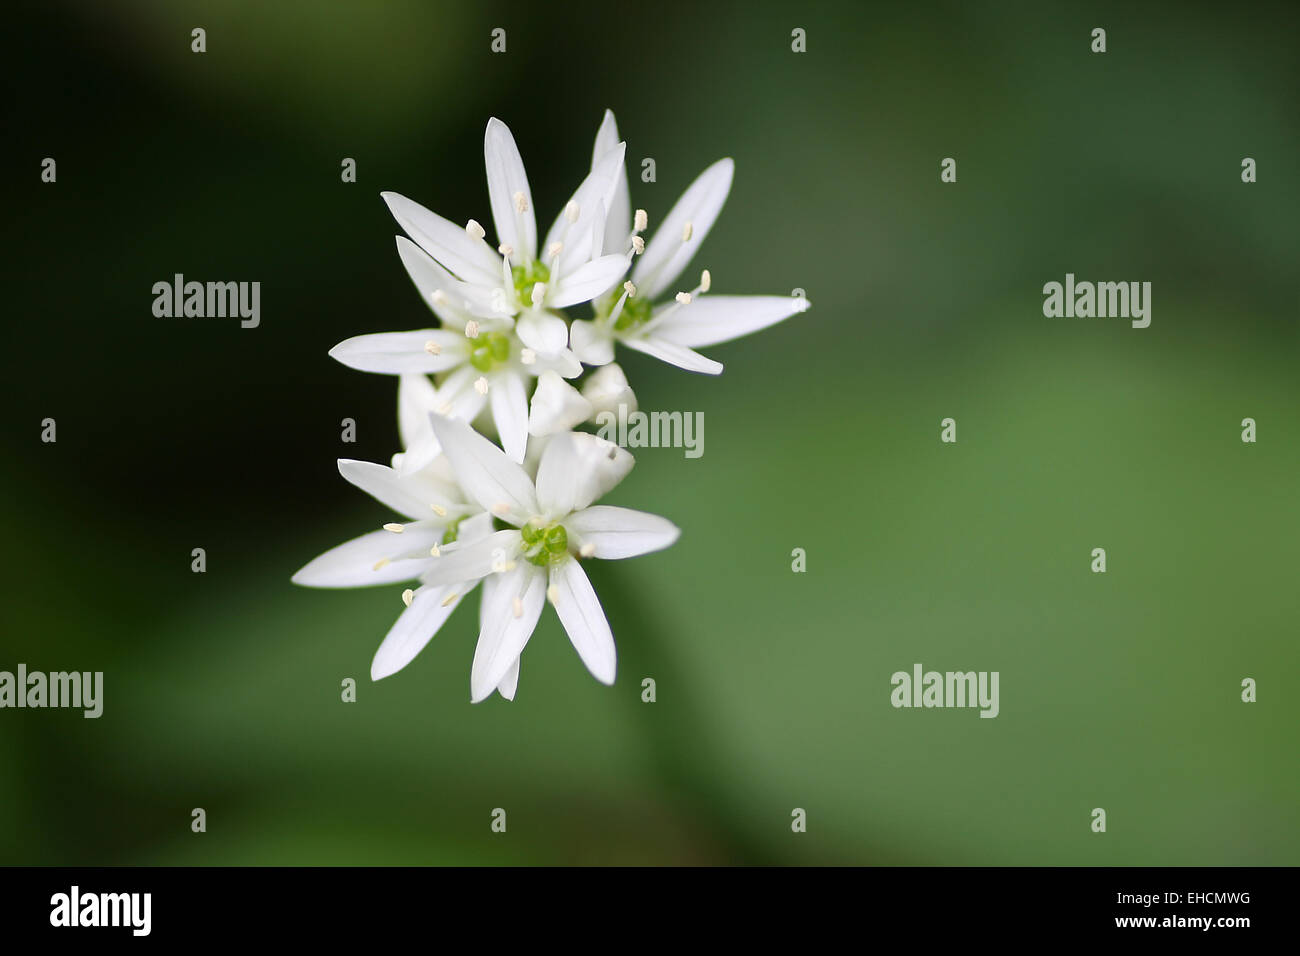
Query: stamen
[[432, 347], [439, 510], [501, 509], [446, 408], [408, 596], [506, 250], [587, 550], [394, 527], [640, 221], [629, 288], [517, 606], [539, 293], [434, 552], [554, 249], [687, 231], [521, 202], [439, 297], [527, 356], [471, 329], [638, 245], [706, 281], [683, 298], [382, 563], [481, 385], [474, 230], [553, 594], [450, 598], [571, 211]]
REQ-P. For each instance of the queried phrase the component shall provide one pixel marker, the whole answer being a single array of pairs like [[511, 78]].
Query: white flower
[[441, 520], [672, 330], [553, 524], [495, 306]]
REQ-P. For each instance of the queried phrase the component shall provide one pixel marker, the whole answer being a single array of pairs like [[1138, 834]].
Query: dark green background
[[222, 690]]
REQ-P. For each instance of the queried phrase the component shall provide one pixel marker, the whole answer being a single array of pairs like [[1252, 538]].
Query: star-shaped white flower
[[553, 527], [671, 330], [440, 518], [498, 327]]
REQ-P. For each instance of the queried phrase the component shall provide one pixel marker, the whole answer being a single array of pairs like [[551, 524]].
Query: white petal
[[510, 683], [563, 362], [711, 319], [584, 619], [447, 242], [607, 389], [413, 495], [618, 211], [620, 532], [666, 255], [353, 564], [416, 398], [541, 331], [678, 355], [413, 629], [464, 562], [596, 192], [400, 353], [503, 634], [556, 406], [485, 472], [591, 342], [458, 398], [587, 281], [510, 413], [431, 278], [506, 179], [576, 469]]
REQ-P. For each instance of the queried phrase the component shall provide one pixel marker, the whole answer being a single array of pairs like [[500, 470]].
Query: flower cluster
[[520, 518]]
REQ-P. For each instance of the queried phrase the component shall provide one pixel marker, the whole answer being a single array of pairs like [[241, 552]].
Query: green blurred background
[[1119, 691]]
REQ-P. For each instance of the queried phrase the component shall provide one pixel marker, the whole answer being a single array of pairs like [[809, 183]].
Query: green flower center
[[544, 544], [526, 276], [635, 312], [489, 350], [452, 532]]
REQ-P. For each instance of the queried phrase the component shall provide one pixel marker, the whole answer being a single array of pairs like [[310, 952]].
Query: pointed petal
[[618, 211], [510, 683], [510, 413], [416, 398], [576, 469], [595, 193], [430, 278], [584, 619], [556, 406], [617, 533], [506, 180], [414, 628], [587, 281], [400, 353], [485, 472], [413, 495], [504, 634], [678, 355], [711, 319], [471, 260], [666, 255], [353, 564]]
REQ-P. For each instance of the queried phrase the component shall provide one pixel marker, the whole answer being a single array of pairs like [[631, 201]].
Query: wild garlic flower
[[673, 329]]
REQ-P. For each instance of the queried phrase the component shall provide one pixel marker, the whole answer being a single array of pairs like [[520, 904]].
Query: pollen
[[434, 552], [481, 385], [706, 281], [408, 596], [629, 288], [688, 230], [521, 202], [517, 607], [683, 298], [571, 211], [554, 249], [432, 347], [439, 510], [527, 356], [640, 221], [553, 594], [381, 564], [506, 250], [638, 245], [450, 599], [587, 550], [394, 527], [474, 230], [471, 329]]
